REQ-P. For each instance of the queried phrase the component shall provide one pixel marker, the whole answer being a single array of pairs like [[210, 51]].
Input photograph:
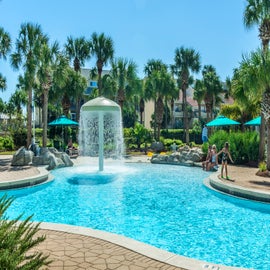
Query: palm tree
[[18, 99], [242, 90], [257, 13], [50, 62], [78, 50], [5, 47], [151, 70], [27, 56], [199, 93], [186, 60], [124, 72], [159, 86], [212, 87], [66, 91], [102, 48], [15, 105], [252, 79], [3, 82]]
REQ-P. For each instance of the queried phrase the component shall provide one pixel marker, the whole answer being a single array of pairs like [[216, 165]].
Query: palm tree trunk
[[172, 106], [166, 112], [186, 128], [262, 139], [99, 67], [45, 119], [141, 105], [200, 109], [78, 105], [155, 119], [29, 117], [268, 143], [158, 132]]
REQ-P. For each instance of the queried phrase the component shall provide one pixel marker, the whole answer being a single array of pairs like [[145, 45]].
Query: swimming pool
[[162, 205]]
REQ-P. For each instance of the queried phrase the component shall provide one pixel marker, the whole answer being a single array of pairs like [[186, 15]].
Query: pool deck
[[73, 247]]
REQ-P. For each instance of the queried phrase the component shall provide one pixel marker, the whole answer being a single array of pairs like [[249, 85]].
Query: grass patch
[[7, 153]]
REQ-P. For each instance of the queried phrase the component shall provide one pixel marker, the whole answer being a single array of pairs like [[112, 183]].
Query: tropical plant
[[199, 93], [212, 87], [157, 85], [186, 60], [79, 51], [256, 13], [17, 239], [5, 47], [141, 134], [243, 145], [124, 72], [246, 97], [253, 76], [48, 63], [73, 81], [14, 107], [102, 48], [27, 55]]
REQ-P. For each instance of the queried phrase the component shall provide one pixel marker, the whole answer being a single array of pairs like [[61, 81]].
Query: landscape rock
[[184, 156], [47, 156], [22, 157]]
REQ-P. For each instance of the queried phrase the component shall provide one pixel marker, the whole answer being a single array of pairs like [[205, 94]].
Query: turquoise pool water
[[162, 205]]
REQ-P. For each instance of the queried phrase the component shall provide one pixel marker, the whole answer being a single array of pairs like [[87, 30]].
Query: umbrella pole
[[62, 138]]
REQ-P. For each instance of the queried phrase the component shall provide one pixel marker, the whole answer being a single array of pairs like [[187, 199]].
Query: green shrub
[[16, 240], [169, 142], [178, 134], [139, 136], [6, 143], [262, 166], [19, 138], [244, 146]]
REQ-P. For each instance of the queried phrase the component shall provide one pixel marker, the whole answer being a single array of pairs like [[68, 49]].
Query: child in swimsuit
[[224, 159], [212, 165], [208, 158]]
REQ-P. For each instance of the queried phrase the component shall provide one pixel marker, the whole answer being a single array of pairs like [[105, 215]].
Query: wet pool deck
[[72, 247]]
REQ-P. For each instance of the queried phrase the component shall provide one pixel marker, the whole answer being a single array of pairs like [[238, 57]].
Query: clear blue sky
[[141, 29]]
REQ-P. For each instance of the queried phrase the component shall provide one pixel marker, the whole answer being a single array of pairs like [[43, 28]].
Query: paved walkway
[[73, 247]]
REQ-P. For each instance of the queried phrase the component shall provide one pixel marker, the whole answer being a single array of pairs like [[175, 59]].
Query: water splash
[[101, 131]]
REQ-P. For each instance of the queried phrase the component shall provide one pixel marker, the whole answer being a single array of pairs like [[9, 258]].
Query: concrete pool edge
[[228, 188], [137, 246], [42, 177]]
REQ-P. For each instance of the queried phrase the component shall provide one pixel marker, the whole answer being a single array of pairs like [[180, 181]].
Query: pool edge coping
[[237, 191], [41, 178], [138, 247]]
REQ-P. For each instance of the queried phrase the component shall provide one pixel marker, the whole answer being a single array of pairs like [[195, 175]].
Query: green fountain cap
[[100, 104]]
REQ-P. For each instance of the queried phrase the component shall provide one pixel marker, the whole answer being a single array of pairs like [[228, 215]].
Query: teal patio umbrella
[[63, 121], [220, 121], [254, 122]]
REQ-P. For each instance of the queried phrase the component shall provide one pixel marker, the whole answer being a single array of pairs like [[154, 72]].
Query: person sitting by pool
[[213, 164], [71, 149]]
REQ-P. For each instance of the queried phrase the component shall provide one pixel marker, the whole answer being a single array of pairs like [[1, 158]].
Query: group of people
[[211, 162]]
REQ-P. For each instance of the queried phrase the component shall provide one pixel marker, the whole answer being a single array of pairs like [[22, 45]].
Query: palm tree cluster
[[251, 79], [52, 76]]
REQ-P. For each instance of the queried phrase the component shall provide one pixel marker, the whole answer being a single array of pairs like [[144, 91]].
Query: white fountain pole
[[100, 140]]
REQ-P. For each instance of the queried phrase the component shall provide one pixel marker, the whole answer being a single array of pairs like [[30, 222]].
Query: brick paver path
[[76, 252]]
